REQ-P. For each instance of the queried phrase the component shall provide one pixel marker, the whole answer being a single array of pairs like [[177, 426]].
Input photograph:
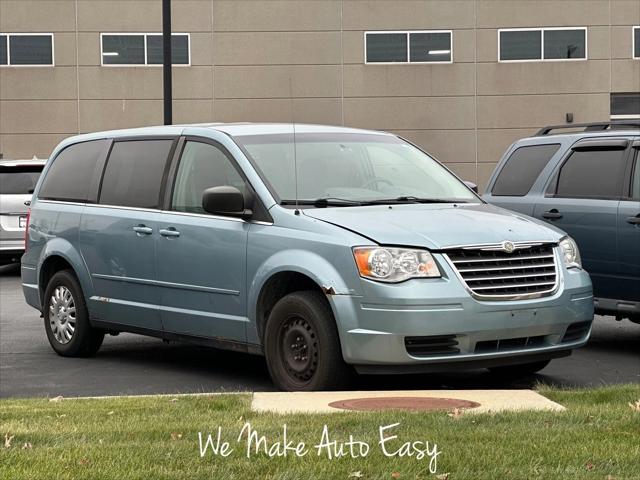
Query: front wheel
[[521, 370], [302, 346], [66, 319]]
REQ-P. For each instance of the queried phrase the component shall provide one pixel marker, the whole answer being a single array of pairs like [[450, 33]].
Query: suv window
[[71, 174], [202, 166], [592, 173], [19, 180], [522, 169], [635, 185], [134, 171]]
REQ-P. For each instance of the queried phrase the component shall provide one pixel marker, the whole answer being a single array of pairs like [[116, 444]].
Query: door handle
[[634, 220], [552, 214], [169, 232], [143, 230]]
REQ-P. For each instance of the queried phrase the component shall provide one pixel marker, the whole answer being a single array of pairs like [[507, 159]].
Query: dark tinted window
[[521, 45], [522, 169], [71, 174], [3, 49], [202, 166], [123, 49], [179, 49], [635, 185], [133, 175], [18, 180], [430, 46], [386, 47], [636, 42], [625, 104], [564, 44], [592, 173], [31, 49]]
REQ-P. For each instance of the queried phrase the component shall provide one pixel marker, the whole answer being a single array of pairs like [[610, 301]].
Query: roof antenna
[[295, 156]]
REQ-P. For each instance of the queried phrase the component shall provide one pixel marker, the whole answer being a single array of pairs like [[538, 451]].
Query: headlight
[[570, 253], [394, 264]]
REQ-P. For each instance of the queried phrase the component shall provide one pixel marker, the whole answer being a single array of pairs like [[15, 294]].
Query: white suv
[[18, 178]]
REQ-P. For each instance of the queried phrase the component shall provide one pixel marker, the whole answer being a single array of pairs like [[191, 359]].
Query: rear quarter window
[[72, 172], [522, 168], [19, 180]]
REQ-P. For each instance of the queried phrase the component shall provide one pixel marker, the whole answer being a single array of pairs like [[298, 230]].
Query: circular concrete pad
[[403, 403]]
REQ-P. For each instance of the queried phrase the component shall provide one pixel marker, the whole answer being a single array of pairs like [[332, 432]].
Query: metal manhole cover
[[402, 403]]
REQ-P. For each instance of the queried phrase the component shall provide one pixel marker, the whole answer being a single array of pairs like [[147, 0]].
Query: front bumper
[[374, 327]]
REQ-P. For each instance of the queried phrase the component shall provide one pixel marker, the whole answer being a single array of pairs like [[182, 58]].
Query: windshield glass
[[350, 168], [18, 180]]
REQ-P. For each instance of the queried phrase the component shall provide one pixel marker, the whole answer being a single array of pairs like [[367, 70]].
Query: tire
[[302, 346], [66, 319], [522, 370]]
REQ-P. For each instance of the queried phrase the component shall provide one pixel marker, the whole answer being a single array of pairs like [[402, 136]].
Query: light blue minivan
[[325, 249]]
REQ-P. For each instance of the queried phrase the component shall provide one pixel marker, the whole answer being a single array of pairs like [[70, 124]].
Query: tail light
[[26, 231]]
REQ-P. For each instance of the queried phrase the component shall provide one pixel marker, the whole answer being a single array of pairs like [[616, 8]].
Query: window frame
[[146, 51], [408, 34], [29, 34], [633, 42], [542, 35]]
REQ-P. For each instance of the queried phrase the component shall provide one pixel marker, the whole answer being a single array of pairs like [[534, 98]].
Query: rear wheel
[[521, 370], [302, 346], [66, 319]]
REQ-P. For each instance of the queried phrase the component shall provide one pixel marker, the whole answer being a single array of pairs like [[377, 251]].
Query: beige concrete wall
[[275, 60]]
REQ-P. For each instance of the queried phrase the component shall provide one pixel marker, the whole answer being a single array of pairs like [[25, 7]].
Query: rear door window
[[71, 175], [522, 168], [19, 180], [134, 171], [592, 174]]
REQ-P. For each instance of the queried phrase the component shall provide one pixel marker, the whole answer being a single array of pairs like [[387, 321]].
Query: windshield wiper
[[411, 199], [324, 202]]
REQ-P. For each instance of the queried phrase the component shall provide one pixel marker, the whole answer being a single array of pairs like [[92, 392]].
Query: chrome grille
[[490, 272]]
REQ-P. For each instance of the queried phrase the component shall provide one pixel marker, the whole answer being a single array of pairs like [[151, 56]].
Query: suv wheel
[[521, 370], [302, 347], [66, 320]]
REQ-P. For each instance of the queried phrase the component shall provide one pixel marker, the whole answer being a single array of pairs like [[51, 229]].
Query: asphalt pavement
[[130, 364]]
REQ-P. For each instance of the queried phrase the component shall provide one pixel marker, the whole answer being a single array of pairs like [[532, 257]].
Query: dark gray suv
[[585, 180]]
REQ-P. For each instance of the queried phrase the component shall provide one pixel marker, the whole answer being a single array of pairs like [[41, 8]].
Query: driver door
[[202, 257]]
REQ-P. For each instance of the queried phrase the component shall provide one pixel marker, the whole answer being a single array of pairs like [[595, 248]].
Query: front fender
[[305, 262]]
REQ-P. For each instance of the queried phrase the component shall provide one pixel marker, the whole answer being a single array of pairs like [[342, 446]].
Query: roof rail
[[591, 127]]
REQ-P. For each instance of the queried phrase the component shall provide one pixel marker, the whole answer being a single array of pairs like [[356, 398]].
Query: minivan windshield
[[19, 180], [350, 169]]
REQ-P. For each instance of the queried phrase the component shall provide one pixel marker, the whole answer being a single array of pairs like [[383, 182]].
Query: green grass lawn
[[598, 437]]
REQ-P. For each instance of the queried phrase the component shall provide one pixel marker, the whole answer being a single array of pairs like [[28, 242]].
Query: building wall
[[278, 60]]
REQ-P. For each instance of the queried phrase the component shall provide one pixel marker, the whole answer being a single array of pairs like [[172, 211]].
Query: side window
[[592, 174], [72, 171], [522, 169], [202, 166], [635, 185], [133, 175]]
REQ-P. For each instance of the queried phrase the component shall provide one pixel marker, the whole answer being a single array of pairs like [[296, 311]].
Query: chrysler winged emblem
[[508, 246]]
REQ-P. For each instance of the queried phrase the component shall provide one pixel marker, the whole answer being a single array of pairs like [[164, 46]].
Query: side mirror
[[226, 201], [472, 186]]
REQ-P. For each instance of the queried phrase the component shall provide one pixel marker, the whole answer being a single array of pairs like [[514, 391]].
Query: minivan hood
[[436, 226]]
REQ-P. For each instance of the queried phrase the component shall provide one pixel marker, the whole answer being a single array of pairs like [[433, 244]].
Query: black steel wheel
[[302, 346]]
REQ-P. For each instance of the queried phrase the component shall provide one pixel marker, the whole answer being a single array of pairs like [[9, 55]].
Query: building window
[[636, 42], [423, 46], [26, 49], [625, 106], [136, 49], [542, 44]]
